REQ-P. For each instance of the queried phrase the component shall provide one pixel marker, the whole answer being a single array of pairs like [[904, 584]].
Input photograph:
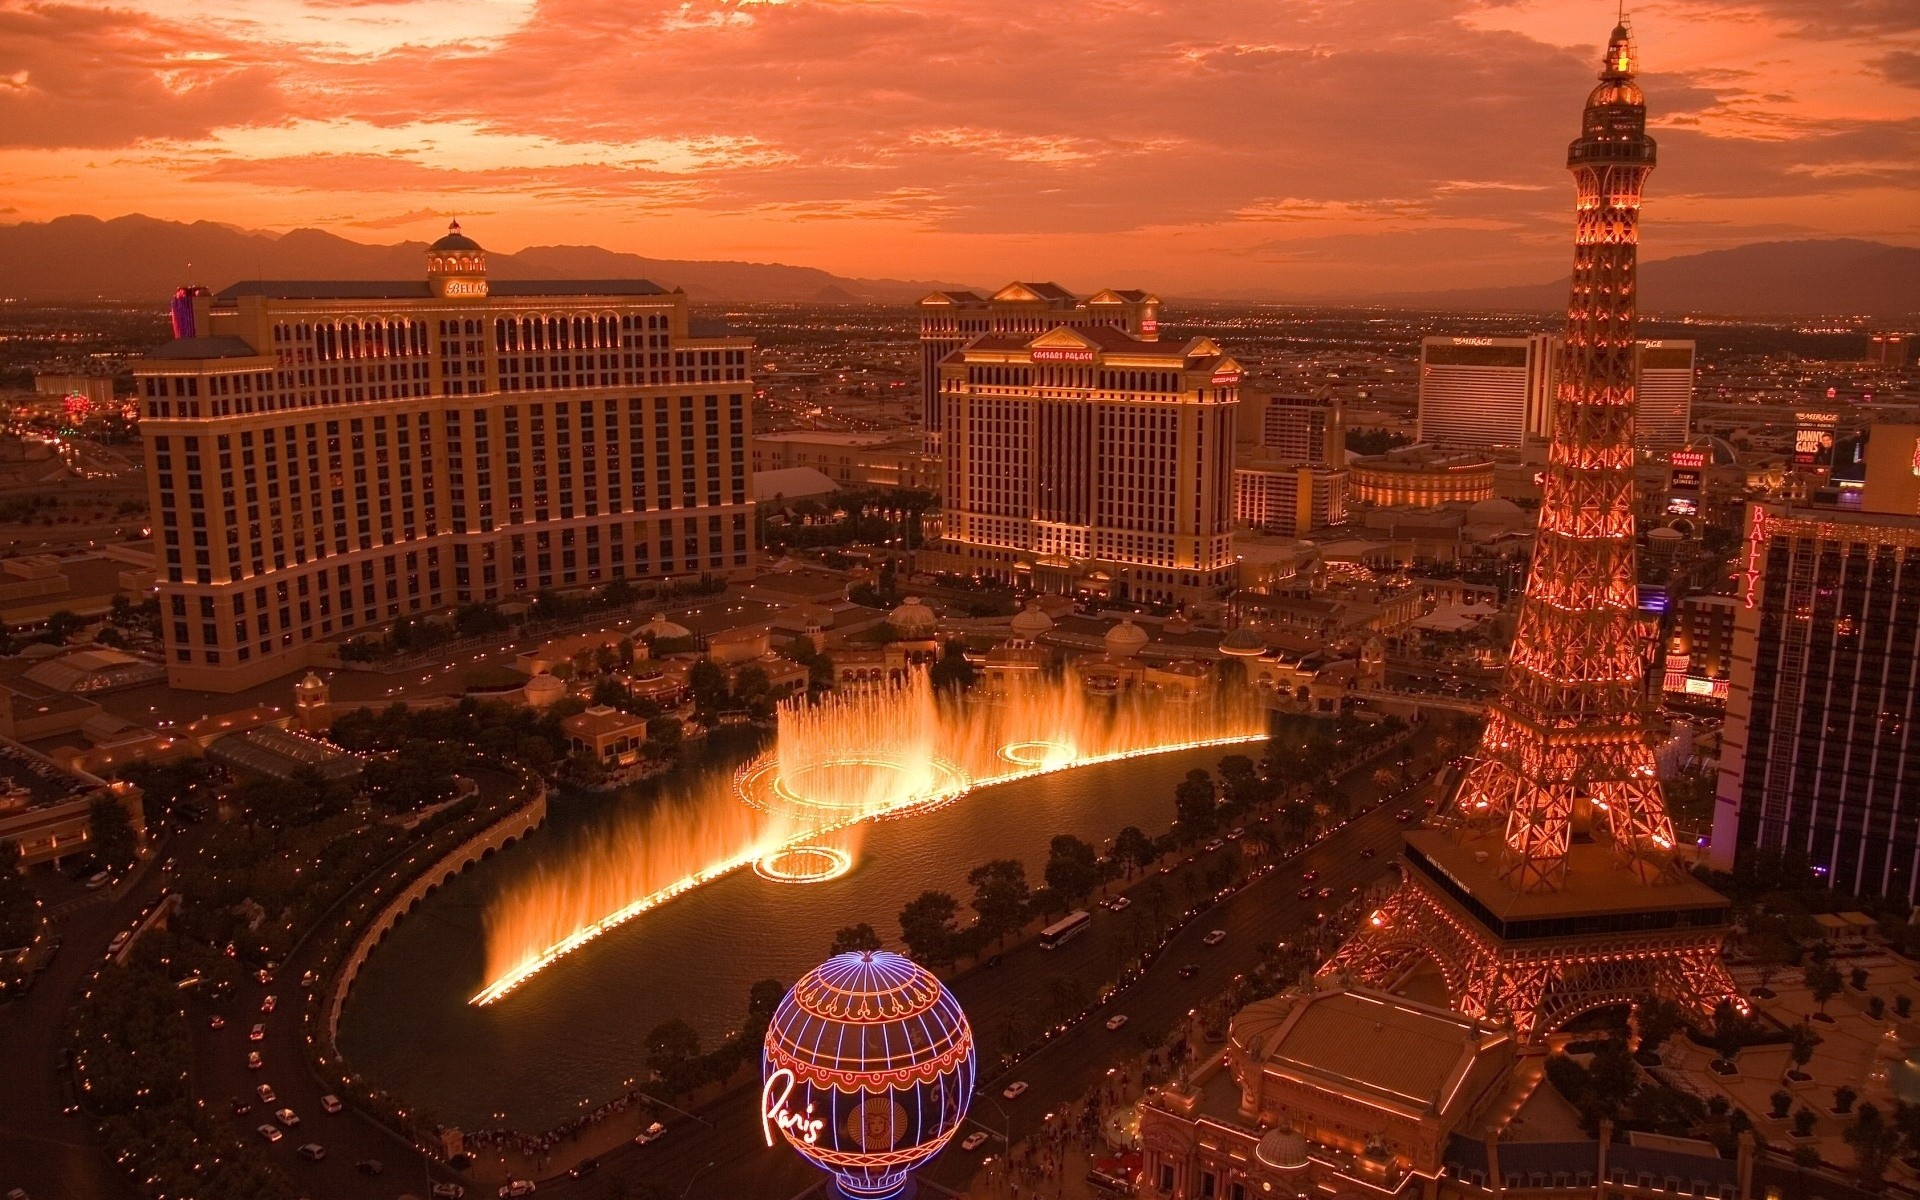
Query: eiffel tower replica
[[1549, 886]]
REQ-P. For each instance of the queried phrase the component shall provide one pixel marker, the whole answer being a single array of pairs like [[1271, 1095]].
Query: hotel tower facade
[[1086, 459], [327, 457]]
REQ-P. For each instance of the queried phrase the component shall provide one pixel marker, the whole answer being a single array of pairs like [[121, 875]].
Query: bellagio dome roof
[[1031, 622], [912, 619], [1125, 639]]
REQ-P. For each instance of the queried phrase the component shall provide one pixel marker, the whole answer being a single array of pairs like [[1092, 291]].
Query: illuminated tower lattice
[[1552, 887]]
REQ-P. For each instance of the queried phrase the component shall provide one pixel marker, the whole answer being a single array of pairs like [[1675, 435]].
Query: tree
[[1801, 1040], [1874, 1143], [110, 832], [708, 683], [1073, 868], [1000, 895], [953, 672], [928, 927], [853, 938], [1134, 848], [1823, 982], [671, 1045], [1193, 802]]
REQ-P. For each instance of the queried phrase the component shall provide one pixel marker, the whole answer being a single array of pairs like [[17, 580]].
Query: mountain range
[[143, 258], [139, 258], [1836, 276]]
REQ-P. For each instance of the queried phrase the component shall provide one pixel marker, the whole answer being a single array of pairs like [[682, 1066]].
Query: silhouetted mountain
[[142, 258], [1840, 276]]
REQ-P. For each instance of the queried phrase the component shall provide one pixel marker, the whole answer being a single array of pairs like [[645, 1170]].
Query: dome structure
[[1031, 622], [543, 691], [1125, 639], [1243, 643], [913, 619], [456, 241], [1282, 1150], [662, 630], [868, 1066]]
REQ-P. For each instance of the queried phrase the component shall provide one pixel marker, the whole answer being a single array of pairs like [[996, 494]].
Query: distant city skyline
[[1204, 148]]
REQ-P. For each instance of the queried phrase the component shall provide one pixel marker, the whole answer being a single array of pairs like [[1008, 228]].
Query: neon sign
[[774, 1113]]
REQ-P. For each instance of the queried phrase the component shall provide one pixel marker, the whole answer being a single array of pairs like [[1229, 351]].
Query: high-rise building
[[1480, 392], [326, 457], [1823, 715], [1295, 428], [1664, 393], [949, 320], [1085, 459], [1289, 497], [1890, 349], [1550, 885]]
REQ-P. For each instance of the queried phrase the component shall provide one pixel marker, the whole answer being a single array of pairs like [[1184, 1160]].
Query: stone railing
[[510, 828]]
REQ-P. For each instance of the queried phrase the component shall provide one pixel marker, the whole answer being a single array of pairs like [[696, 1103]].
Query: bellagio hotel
[[1090, 460], [326, 457]]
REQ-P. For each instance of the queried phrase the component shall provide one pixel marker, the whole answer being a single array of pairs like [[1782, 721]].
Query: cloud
[[1177, 140]]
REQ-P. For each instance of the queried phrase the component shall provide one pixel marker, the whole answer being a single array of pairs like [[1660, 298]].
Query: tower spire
[[1564, 784]]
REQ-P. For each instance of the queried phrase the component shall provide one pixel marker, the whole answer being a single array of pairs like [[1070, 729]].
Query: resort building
[[950, 320], [1089, 460], [326, 457], [1817, 756]]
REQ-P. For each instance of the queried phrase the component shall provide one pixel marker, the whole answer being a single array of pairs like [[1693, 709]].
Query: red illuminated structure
[[1552, 887]]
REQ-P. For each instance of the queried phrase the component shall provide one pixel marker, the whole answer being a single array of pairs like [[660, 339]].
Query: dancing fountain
[[794, 814]]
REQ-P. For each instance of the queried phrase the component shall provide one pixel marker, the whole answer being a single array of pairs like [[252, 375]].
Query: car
[[287, 1117], [1214, 938], [257, 1034], [369, 1166], [448, 1191], [270, 1133], [974, 1140], [1117, 1021], [265, 1093], [254, 1061], [241, 1107], [313, 1152], [1014, 1090], [330, 1104], [1121, 903], [649, 1134], [1309, 877], [216, 1021], [516, 1187], [1369, 852], [267, 1004], [585, 1166], [1190, 970]]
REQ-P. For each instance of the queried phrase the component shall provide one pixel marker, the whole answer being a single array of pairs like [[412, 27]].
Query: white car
[[1117, 1021], [270, 1133], [330, 1104], [1015, 1090], [1215, 938], [974, 1141]]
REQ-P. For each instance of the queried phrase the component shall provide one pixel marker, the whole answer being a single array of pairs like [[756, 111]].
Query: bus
[[1065, 929]]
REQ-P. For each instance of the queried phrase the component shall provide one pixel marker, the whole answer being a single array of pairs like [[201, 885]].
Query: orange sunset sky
[[1305, 147]]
